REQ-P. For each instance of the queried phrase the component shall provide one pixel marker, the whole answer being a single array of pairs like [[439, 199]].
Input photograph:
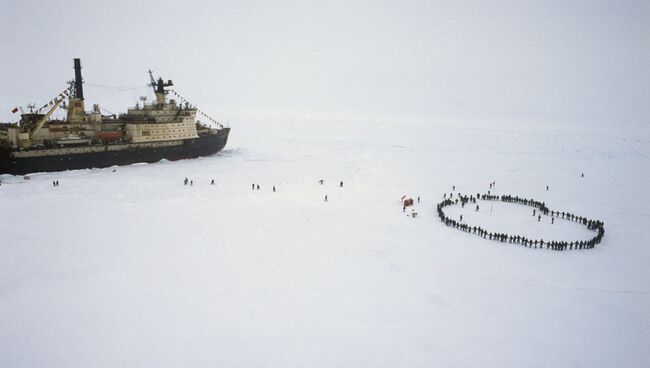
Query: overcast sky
[[584, 61]]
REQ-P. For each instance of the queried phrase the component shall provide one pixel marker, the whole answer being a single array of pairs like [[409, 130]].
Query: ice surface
[[132, 268]]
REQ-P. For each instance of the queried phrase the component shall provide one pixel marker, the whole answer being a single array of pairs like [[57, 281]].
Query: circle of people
[[539, 208]]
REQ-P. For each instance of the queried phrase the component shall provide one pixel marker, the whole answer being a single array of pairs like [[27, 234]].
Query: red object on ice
[[408, 202]]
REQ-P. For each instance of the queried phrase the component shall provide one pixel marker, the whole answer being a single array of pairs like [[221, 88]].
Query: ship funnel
[[78, 87]]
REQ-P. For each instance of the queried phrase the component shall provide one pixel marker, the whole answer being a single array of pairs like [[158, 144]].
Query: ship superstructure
[[147, 133]]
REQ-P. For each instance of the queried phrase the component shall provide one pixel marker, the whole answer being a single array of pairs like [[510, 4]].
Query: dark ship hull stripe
[[203, 146]]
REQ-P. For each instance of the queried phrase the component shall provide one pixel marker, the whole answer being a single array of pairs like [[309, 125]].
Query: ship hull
[[111, 155]]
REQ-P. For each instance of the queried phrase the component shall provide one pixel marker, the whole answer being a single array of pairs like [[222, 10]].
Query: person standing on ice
[[461, 217], [253, 186], [547, 188], [274, 189], [258, 186], [212, 182], [325, 197], [341, 184], [185, 181], [533, 212], [539, 218], [477, 208], [418, 199], [453, 187]]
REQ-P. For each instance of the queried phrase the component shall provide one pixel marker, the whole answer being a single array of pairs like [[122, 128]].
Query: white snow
[[132, 268]]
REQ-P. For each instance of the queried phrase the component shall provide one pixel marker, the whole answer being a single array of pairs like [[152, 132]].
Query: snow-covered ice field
[[133, 269]]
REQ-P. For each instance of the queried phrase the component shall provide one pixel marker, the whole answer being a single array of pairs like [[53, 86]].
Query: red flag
[[15, 110]]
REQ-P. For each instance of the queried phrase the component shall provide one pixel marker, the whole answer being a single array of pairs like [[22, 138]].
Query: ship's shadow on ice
[[228, 152]]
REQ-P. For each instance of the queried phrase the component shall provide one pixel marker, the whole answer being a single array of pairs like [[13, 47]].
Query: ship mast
[[76, 109], [78, 83], [159, 88]]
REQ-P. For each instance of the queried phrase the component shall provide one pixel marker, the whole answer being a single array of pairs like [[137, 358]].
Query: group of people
[[594, 225], [55, 183], [191, 182], [253, 185], [257, 187]]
